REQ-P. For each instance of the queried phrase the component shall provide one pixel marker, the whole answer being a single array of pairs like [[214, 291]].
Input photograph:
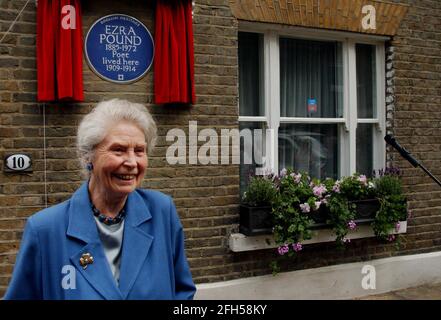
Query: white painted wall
[[334, 282]]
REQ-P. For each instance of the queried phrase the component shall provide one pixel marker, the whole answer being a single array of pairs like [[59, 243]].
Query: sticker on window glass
[[312, 105]]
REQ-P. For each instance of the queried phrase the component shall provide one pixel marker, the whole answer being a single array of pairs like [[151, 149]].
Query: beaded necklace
[[108, 220]]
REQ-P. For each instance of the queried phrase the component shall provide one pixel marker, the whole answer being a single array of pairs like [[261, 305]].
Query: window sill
[[240, 243]]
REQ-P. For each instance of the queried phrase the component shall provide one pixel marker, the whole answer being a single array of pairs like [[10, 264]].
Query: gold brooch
[[86, 259]]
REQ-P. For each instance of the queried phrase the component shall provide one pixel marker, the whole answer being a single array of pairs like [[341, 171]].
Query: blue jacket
[[153, 262]]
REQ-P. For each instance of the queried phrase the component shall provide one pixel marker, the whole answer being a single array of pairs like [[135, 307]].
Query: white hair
[[94, 126]]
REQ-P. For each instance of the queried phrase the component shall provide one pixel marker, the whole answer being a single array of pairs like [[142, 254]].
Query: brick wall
[[207, 196], [417, 116]]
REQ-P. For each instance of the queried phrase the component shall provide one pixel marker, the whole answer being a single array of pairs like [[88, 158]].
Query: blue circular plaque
[[119, 48]]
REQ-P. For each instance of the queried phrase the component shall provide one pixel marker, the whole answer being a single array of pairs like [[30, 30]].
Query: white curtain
[[249, 75], [310, 70]]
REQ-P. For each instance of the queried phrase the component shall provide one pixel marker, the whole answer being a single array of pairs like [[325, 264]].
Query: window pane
[[252, 151], [311, 81], [366, 81], [249, 74], [365, 148], [310, 148]]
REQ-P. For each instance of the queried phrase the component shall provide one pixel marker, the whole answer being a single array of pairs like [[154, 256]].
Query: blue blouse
[[153, 265]]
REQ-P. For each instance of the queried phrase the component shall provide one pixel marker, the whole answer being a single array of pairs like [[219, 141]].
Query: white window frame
[[271, 92]]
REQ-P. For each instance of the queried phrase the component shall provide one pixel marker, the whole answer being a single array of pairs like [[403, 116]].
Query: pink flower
[[397, 226], [391, 238], [296, 177], [324, 201], [336, 187], [283, 249], [297, 247], [319, 190], [305, 208], [363, 179], [317, 205], [352, 225]]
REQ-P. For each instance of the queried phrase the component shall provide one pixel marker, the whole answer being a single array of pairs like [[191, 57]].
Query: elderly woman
[[110, 240]]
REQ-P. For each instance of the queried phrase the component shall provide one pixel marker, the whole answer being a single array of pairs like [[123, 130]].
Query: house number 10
[[18, 163]]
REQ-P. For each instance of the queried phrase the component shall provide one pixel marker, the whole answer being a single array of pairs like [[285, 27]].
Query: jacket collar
[[136, 243], [82, 225], [81, 222]]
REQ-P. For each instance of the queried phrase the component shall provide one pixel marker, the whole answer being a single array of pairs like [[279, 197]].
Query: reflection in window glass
[[252, 151], [310, 148], [365, 149]]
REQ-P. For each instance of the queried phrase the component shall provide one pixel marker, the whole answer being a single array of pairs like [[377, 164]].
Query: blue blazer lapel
[[136, 242], [82, 226], [98, 273]]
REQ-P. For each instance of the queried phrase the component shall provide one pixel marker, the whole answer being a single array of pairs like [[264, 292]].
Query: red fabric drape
[[174, 52], [59, 52]]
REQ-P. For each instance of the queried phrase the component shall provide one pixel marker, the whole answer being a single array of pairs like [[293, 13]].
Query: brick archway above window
[[346, 15]]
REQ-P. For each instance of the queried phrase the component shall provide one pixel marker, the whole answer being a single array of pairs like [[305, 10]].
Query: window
[[320, 98], [252, 110]]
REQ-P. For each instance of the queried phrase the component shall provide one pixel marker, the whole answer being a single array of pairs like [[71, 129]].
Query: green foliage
[[388, 185], [292, 225], [393, 204], [260, 192], [295, 198], [393, 209], [340, 215], [356, 187]]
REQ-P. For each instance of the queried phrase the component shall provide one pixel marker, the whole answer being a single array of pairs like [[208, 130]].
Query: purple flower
[[319, 190], [324, 201], [305, 208], [397, 226], [296, 177], [391, 238], [297, 247], [283, 173], [283, 249], [352, 225], [336, 187]]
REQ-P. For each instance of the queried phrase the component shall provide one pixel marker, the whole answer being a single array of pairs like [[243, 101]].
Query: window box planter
[[366, 209], [255, 220], [258, 220], [239, 242], [320, 216], [365, 213]]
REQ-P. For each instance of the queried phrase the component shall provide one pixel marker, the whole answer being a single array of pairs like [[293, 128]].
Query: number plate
[[17, 163]]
